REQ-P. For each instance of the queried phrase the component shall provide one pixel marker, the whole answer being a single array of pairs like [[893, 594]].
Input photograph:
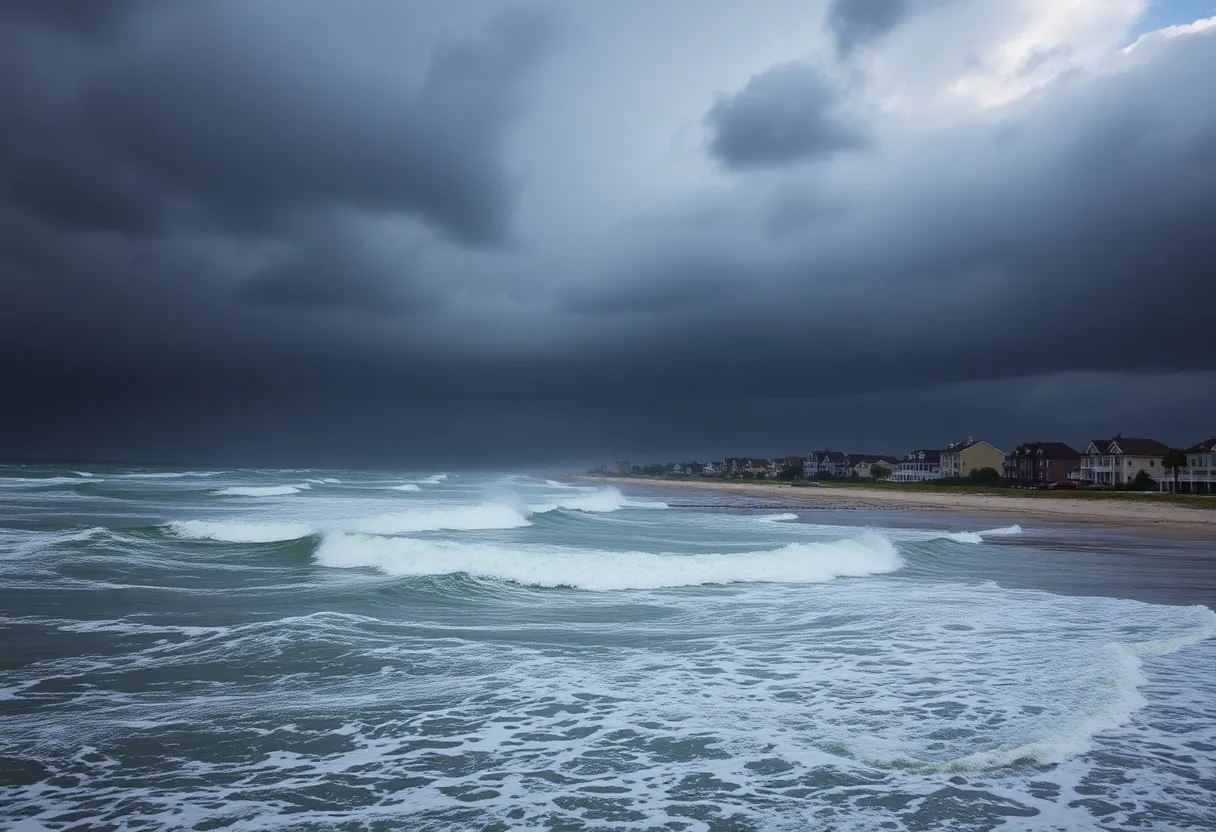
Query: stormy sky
[[477, 233]]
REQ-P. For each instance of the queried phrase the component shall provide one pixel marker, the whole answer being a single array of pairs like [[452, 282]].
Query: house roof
[[1206, 446], [931, 457], [834, 457], [1139, 447], [857, 459], [1050, 450], [959, 447]]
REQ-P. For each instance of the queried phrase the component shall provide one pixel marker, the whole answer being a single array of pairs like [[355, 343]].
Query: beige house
[[1117, 461], [961, 458]]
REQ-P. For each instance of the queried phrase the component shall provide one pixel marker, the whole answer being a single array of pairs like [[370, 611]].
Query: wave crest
[[601, 571], [261, 490], [603, 500]]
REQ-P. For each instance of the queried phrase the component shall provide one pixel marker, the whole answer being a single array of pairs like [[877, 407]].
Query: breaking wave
[[261, 490], [409, 486], [788, 517], [980, 537], [602, 571], [231, 532], [602, 500]]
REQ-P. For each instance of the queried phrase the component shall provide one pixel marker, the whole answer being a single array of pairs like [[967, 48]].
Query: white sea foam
[[980, 537], [169, 475], [261, 490], [82, 473], [325, 481], [38, 482], [788, 517], [435, 480], [409, 486], [237, 532], [600, 501], [869, 554]]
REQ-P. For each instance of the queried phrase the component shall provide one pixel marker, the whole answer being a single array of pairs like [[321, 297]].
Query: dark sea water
[[307, 650]]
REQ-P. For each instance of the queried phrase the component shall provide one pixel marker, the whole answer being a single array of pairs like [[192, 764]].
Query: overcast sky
[[475, 233]]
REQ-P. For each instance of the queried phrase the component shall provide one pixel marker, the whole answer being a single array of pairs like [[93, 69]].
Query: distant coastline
[[1116, 511]]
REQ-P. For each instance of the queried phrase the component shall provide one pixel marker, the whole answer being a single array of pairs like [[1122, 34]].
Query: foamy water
[[331, 650]]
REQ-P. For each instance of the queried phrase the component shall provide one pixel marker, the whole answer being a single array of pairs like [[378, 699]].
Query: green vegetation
[[1195, 501], [1175, 461], [986, 476], [880, 472]]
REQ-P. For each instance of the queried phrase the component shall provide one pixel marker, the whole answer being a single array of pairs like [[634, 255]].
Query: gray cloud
[[247, 128], [855, 23], [227, 239], [785, 114]]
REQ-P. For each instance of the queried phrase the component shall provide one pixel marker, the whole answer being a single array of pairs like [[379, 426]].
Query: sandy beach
[[1164, 518]]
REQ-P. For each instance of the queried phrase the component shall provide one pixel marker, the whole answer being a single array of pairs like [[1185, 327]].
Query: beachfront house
[[1199, 475], [810, 466], [863, 464], [919, 466], [834, 464], [785, 463], [713, 469], [1038, 463], [621, 467], [960, 459], [1111, 462]]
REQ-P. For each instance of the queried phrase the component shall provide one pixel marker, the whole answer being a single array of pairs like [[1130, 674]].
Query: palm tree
[[1174, 460]]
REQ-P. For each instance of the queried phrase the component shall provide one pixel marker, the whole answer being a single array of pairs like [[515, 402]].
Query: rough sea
[[317, 650]]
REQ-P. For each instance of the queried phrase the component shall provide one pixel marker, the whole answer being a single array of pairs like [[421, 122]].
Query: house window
[[1152, 463]]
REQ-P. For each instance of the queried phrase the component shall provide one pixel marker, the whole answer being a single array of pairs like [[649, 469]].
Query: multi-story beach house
[[738, 466], [919, 466], [1199, 475], [785, 463], [810, 466], [834, 463], [862, 465], [1110, 462], [1038, 463], [960, 459], [621, 467]]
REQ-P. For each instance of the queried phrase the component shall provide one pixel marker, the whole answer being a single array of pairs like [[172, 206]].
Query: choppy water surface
[[341, 650]]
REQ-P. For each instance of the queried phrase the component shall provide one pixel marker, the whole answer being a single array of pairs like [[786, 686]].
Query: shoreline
[[1167, 519]]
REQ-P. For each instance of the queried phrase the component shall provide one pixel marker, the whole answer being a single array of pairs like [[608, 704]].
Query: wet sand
[[1160, 518]]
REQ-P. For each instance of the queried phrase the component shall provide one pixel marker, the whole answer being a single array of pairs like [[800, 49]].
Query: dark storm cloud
[[248, 128], [785, 114], [855, 23], [228, 239], [87, 18], [330, 267]]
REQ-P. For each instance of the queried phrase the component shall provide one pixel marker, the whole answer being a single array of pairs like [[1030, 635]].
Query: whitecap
[[600, 501], [237, 532], [261, 490], [601, 570], [409, 486]]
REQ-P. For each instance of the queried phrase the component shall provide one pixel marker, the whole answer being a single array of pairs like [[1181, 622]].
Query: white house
[[919, 466], [1199, 475]]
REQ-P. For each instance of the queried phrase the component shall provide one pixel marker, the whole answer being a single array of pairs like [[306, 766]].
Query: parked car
[[1062, 484]]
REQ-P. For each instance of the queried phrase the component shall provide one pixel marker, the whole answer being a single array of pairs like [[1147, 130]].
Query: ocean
[[316, 650]]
